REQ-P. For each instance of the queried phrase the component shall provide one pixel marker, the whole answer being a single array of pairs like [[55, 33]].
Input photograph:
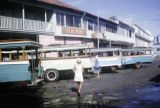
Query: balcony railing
[[119, 38], [18, 24]]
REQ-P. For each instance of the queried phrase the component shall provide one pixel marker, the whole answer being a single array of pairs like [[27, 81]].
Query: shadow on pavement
[[155, 79], [20, 98]]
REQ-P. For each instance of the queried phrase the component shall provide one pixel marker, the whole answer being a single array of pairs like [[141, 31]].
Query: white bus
[[58, 58]]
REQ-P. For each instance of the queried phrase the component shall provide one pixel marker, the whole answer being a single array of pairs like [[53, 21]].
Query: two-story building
[[156, 45], [55, 22], [142, 37]]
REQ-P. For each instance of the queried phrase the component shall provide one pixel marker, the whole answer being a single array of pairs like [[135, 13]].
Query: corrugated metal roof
[[60, 3]]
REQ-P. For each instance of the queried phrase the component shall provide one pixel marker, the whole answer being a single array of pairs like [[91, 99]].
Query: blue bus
[[107, 57], [136, 56], [20, 62]]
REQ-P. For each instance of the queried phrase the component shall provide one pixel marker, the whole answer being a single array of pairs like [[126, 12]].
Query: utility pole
[[98, 32]]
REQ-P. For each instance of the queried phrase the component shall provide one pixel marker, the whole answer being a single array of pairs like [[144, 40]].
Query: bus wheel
[[113, 68], [51, 75], [138, 65]]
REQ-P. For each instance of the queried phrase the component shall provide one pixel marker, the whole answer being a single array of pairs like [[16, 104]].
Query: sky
[[144, 13]]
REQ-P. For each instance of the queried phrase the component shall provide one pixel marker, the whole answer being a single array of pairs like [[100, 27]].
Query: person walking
[[78, 75], [96, 68]]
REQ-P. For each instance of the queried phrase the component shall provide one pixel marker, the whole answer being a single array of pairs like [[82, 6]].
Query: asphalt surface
[[112, 89], [126, 88]]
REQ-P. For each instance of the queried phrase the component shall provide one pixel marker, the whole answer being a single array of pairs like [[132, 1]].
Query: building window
[[60, 19], [85, 23], [73, 21], [77, 21], [130, 33], [158, 49], [111, 29], [95, 25], [102, 27], [90, 25]]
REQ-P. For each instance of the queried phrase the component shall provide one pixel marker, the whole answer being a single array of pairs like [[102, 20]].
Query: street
[[126, 88]]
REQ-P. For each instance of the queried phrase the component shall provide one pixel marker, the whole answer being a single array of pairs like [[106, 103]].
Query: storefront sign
[[74, 31]]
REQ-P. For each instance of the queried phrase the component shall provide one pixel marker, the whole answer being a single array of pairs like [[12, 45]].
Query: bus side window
[[82, 52], [110, 53], [15, 56], [116, 53], [5, 57], [76, 54], [148, 52], [124, 53], [93, 54], [100, 54], [105, 54], [20, 57], [65, 54]]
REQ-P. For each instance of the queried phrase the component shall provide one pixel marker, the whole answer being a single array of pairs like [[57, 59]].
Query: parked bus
[[20, 63], [108, 57], [136, 56], [58, 58]]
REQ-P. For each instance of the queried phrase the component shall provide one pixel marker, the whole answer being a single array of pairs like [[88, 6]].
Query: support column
[[23, 53], [0, 55], [98, 32], [54, 21], [65, 24], [110, 44], [23, 16], [10, 56], [45, 16], [82, 19]]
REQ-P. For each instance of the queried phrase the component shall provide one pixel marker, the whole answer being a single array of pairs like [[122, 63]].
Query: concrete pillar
[[23, 15], [110, 44], [45, 16], [0, 55]]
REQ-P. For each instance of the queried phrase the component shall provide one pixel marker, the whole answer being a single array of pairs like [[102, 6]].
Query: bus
[[136, 56], [20, 62], [59, 58], [107, 57]]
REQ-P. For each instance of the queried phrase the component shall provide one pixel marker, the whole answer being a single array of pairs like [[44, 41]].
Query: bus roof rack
[[63, 48], [19, 44]]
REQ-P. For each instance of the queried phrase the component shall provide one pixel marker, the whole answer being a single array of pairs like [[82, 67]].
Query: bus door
[[35, 67]]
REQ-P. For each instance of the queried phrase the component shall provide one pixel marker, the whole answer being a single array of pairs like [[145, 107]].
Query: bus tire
[[113, 68], [51, 75], [137, 65]]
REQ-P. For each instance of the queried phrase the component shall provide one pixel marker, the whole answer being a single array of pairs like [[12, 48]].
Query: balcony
[[144, 36], [28, 26], [118, 38]]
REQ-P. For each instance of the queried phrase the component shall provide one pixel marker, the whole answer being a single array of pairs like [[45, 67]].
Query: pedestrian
[[78, 75], [96, 68]]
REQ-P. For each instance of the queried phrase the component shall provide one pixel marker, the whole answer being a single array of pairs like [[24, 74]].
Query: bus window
[[65, 54], [94, 54], [100, 54], [15, 56], [5, 57], [75, 53], [110, 53], [115, 53], [124, 54], [104, 54], [81, 52], [148, 52]]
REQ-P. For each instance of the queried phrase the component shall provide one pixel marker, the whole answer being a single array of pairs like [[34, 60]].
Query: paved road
[[126, 88], [121, 87]]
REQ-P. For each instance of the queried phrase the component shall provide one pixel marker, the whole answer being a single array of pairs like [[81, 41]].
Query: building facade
[[142, 37], [52, 22], [156, 45]]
